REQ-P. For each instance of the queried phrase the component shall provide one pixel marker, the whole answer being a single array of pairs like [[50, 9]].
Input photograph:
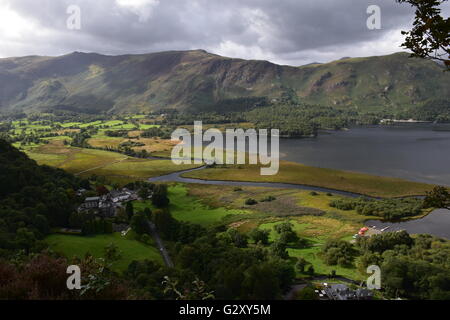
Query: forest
[[33, 200], [389, 209]]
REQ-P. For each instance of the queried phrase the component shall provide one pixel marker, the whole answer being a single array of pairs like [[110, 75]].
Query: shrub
[[307, 293], [269, 199], [260, 236], [250, 202], [387, 208]]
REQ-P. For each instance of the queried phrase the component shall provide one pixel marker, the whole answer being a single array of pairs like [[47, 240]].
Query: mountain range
[[200, 81]]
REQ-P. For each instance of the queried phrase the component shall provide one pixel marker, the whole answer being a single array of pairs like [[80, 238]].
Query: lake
[[412, 151], [436, 223]]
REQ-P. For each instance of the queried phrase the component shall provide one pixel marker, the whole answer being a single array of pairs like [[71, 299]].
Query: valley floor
[[310, 213]]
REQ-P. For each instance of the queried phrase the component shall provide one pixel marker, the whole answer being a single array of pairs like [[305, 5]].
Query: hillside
[[33, 199], [93, 83]]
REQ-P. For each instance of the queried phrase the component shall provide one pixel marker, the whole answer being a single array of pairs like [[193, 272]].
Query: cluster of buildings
[[343, 292], [368, 232], [107, 204]]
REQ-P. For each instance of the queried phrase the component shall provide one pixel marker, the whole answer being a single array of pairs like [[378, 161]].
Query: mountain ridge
[[196, 80]]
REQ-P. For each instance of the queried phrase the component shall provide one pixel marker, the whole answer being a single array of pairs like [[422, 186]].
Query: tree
[[289, 237], [260, 236], [338, 252], [310, 270], [112, 253], [139, 223], [250, 202], [129, 210], [143, 193], [198, 290], [165, 223], [261, 283], [160, 198], [385, 241], [439, 197], [25, 238], [301, 264], [101, 190], [307, 293], [278, 249], [237, 238], [148, 213], [145, 238], [283, 227], [430, 34]]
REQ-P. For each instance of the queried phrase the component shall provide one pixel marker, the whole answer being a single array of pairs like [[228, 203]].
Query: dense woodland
[[414, 268], [389, 209], [33, 199], [295, 119]]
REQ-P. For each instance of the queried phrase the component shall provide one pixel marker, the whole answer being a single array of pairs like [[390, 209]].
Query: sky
[[292, 32]]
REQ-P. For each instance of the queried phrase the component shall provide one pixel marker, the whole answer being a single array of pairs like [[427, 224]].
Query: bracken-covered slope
[[197, 80]]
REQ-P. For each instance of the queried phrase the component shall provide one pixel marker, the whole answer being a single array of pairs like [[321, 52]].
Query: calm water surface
[[413, 152], [436, 223]]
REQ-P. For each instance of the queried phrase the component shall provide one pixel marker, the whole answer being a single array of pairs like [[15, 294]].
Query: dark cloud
[[283, 31]]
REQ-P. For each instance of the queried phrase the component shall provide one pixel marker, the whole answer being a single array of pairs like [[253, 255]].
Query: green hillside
[[93, 83]]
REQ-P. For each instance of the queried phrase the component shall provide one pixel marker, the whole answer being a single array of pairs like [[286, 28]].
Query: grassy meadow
[[296, 173], [185, 207], [316, 230], [85, 162], [79, 246]]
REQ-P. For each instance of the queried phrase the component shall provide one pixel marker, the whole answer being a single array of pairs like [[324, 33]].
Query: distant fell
[[198, 80]]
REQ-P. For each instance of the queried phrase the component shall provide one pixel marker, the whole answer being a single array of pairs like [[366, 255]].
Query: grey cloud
[[279, 30]]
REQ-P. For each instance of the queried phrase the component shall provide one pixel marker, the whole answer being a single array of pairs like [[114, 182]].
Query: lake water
[[436, 223], [413, 152]]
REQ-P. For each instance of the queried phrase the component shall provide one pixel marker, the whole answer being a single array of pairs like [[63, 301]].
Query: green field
[[132, 169], [85, 162], [317, 230], [295, 173], [70, 124], [187, 208], [74, 160], [191, 209], [78, 246]]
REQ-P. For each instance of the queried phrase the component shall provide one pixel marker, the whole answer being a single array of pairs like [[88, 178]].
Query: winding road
[[162, 249], [177, 177]]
